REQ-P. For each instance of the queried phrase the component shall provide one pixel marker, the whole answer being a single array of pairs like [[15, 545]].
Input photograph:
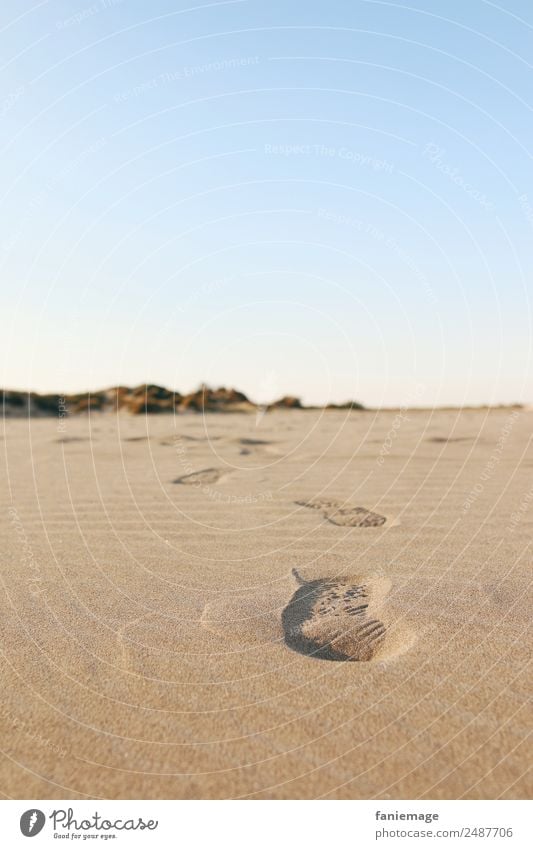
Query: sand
[[291, 605]]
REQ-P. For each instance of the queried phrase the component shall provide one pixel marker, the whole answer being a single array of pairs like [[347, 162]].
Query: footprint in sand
[[345, 516], [256, 446], [340, 619], [204, 476]]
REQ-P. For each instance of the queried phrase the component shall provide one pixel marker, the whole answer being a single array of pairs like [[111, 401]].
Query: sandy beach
[[297, 604]]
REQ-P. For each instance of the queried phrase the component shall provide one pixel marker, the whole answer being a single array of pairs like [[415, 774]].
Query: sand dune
[[140, 400], [342, 611]]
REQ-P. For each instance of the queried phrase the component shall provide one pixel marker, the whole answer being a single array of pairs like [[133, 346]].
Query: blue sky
[[330, 199]]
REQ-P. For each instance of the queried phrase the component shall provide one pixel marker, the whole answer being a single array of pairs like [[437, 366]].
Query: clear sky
[[331, 199]]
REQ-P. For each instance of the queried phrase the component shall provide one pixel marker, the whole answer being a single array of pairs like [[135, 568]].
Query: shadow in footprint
[[446, 439], [330, 620], [204, 476], [248, 441]]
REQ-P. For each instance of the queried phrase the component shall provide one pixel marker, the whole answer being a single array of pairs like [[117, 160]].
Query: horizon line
[[356, 405]]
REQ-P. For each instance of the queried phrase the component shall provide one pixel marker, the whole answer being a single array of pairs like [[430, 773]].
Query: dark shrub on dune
[[150, 398], [347, 405], [207, 399], [14, 399], [288, 402], [46, 403], [86, 403]]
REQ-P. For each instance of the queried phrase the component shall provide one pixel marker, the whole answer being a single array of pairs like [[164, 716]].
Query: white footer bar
[[267, 824]]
